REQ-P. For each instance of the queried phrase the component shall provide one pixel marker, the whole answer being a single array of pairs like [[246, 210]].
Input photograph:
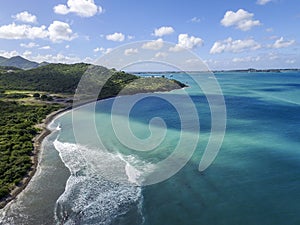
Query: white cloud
[[230, 45], [61, 9], [27, 53], [83, 8], [25, 17], [57, 31], [103, 50], [290, 61], [272, 56], [154, 45], [186, 42], [97, 49], [131, 51], [241, 19], [195, 20], [115, 37], [263, 2], [193, 62], [60, 31], [29, 45], [281, 43], [159, 32], [130, 37], [58, 58], [67, 46], [13, 31], [246, 59], [47, 47], [88, 60], [8, 54], [161, 55]]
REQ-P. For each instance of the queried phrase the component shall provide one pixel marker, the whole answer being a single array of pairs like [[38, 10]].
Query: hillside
[[19, 62], [64, 78], [2, 59]]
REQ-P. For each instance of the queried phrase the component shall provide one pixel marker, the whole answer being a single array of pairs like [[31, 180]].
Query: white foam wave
[[136, 169], [90, 197]]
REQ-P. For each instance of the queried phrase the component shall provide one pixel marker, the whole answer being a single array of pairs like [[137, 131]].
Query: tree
[[44, 97], [36, 95]]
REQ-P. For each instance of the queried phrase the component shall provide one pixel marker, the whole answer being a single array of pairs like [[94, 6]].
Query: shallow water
[[255, 178]]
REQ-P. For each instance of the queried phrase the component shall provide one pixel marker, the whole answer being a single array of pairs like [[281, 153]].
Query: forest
[[16, 147]]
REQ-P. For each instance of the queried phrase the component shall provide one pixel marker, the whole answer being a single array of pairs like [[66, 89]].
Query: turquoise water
[[255, 178]]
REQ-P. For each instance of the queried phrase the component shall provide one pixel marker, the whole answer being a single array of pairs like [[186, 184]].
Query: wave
[[92, 195]]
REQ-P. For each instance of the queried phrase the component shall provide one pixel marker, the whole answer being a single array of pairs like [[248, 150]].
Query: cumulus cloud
[[263, 2], [235, 46], [60, 31], [240, 19], [13, 31], [25, 17], [83, 8], [161, 55], [273, 56], [103, 50], [162, 31], [29, 45], [131, 51], [154, 45], [27, 53], [115, 37], [61, 9], [281, 43], [186, 42], [130, 37], [58, 58], [246, 59], [290, 61], [8, 54], [56, 32], [47, 47]]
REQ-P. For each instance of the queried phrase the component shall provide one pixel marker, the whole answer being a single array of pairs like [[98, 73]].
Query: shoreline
[[38, 139], [37, 144]]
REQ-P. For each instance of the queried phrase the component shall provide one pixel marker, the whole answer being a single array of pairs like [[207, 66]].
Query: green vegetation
[[19, 62], [4, 69], [62, 78], [17, 131], [56, 78]]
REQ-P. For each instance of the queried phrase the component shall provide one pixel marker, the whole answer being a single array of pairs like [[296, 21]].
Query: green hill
[[64, 78], [2, 59], [19, 62]]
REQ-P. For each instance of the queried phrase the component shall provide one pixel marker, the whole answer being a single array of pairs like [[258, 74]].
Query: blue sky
[[231, 34]]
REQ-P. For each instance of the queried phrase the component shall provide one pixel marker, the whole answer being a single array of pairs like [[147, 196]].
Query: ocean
[[85, 178]]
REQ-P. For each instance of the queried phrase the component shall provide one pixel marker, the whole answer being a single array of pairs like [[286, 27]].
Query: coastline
[[37, 143], [38, 139]]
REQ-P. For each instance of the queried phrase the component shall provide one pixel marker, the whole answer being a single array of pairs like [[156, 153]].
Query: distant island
[[250, 70], [28, 95]]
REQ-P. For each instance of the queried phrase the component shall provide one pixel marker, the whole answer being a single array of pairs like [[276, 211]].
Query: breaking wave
[[90, 197]]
